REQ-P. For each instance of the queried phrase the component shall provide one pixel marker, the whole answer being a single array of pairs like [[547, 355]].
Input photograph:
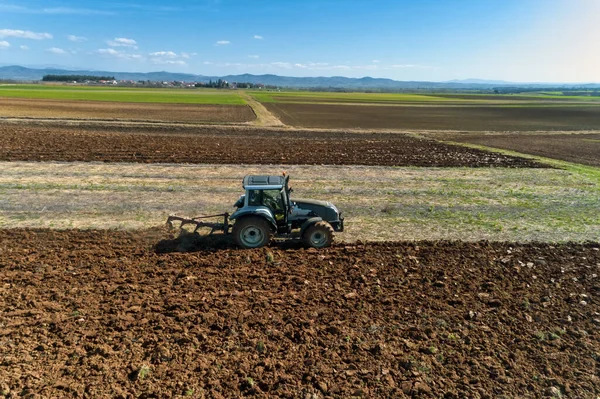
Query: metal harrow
[[199, 222]]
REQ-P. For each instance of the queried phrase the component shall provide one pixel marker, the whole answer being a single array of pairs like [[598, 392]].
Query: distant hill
[[482, 81], [15, 72], [20, 73]]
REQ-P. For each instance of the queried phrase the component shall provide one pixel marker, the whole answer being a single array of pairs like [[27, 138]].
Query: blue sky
[[436, 40]]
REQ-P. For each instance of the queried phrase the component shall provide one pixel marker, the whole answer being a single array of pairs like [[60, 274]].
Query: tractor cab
[[270, 192]]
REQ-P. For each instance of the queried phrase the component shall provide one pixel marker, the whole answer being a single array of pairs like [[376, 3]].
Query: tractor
[[266, 210]]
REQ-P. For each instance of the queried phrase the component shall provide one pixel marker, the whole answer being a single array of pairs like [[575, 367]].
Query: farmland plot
[[228, 145], [123, 111], [101, 314], [438, 117]]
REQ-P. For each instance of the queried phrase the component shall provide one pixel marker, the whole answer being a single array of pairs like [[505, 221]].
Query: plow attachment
[[200, 222]]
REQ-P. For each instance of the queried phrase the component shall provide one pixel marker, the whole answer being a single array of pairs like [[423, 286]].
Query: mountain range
[[20, 73]]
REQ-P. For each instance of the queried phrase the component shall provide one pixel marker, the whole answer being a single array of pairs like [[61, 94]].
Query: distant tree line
[[566, 91], [594, 93], [248, 85], [75, 78], [217, 84], [223, 84]]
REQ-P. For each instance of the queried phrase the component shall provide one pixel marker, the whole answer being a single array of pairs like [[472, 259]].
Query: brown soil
[[235, 145], [580, 148], [61, 109], [100, 314], [438, 117]]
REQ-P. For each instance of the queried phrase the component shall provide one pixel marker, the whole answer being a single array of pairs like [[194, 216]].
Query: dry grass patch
[[380, 203]]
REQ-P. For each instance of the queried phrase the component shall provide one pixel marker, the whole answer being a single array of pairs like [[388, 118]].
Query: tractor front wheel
[[319, 235], [251, 232]]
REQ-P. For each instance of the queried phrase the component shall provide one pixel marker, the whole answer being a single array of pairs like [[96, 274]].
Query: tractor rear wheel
[[319, 235], [251, 232]]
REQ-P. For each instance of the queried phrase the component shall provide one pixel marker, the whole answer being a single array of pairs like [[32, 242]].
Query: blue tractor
[[266, 210]]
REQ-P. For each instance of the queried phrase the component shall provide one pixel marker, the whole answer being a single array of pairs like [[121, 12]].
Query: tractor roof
[[254, 182]]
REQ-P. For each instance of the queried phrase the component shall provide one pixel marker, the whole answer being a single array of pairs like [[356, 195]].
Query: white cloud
[[169, 58], [338, 67], [375, 61], [258, 37], [253, 56], [161, 61], [24, 47], [4, 44], [107, 51], [222, 42], [166, 54], [24, 34], [122, 42], [188, 55], [77, 39], [56, 50], [285, 65], [111, 52], [316, 66]]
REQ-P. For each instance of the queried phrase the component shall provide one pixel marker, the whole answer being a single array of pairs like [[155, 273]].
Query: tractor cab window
[[254, 197], [272, 199], [269, 198]]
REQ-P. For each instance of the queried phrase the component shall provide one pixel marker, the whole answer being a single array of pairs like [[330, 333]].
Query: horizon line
[[455, 80]]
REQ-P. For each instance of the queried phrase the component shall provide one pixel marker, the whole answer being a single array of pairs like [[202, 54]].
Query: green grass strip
[[124, 94]]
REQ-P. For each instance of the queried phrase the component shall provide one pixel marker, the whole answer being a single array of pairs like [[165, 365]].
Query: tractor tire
[[251, 232], [319, 235]]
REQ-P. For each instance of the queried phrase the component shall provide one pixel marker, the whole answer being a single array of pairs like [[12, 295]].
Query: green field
[[123, 94], [315, 97], [530, 99], [232, 97]]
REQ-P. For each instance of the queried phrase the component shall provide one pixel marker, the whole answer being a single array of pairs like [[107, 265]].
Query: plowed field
[[233, 146], [65, 109], [101, 314], [580, 148], [439, 117]]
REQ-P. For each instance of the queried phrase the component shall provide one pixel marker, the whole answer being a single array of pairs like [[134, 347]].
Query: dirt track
[[245, 145], [100, 314]]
